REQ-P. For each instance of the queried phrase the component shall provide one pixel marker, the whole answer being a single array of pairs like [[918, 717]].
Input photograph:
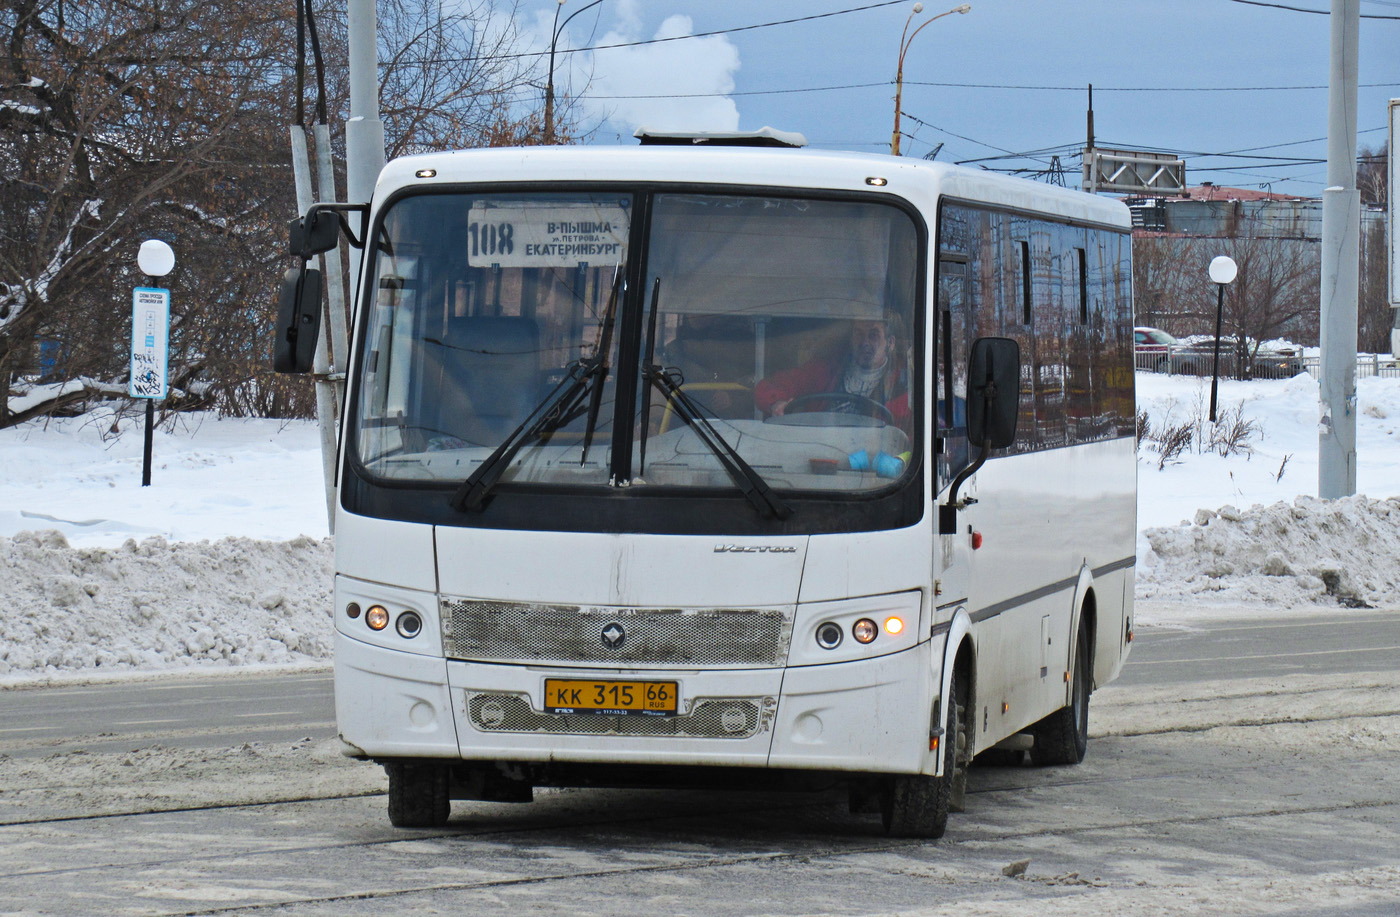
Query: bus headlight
[[409, 625], [894, 625], [865, 630], [377, 617], [829, 635]]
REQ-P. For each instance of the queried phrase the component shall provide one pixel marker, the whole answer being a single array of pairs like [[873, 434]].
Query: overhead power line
[[875, 85], [1098, 88], [1299, 9], [752, 92], [657, 41]]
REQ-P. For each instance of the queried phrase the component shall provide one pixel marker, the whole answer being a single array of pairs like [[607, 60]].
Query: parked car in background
[[1154, 350], [1278, 361], [1158, 352]]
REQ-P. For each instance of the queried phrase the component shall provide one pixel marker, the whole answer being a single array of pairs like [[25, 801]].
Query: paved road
[[203, 711], [1297, 815], [1343, 641], [231, 708]]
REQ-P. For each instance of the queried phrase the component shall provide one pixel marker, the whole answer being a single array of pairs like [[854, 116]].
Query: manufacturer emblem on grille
[[614, 636]]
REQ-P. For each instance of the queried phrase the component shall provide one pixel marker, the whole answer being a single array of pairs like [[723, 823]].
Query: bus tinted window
[[483, 306], [784, 325], [788, 324], [1063, 293]]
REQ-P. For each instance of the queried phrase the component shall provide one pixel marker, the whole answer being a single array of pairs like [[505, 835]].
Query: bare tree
[[121, 122], [167, 119], [1167, 292], [1371, 176], [1275, 293]]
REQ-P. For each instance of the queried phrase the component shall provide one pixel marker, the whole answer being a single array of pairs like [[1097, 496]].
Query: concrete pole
[[327, 406], [1392, 225], [364, 132], [1341, 246]]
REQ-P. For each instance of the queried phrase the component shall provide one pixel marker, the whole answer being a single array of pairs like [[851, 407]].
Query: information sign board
[[150, 343]]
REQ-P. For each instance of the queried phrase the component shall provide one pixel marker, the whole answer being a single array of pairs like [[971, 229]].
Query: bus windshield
[[516, 328]]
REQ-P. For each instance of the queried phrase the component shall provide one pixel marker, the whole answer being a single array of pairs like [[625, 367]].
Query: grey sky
[[1157, 66]]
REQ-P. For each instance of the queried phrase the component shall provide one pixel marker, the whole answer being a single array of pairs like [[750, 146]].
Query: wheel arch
[[959, 660], [1084, 614]]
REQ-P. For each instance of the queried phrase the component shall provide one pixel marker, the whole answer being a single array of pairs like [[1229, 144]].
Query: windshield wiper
[[750, 482], [559, 407]]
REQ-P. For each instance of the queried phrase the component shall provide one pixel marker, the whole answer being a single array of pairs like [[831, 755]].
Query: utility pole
[[1341, 246], [364, 132]]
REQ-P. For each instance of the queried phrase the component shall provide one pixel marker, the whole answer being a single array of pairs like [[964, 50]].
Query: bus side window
[[951, 408]]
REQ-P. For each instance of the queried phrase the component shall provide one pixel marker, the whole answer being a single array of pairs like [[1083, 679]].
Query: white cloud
[[690, 76]]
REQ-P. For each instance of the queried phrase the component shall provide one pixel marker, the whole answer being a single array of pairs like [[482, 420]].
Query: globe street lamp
[[905, 39], [1222, 272], [549, 84], [150, 330]]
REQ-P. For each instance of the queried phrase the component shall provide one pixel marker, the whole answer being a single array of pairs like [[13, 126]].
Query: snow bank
[[161, 605], [1305, 552], [212, 478]]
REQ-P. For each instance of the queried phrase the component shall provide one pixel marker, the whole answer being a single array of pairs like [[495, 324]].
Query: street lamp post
[[1222, 271], [549, 84], [150, 329], [906, 39]]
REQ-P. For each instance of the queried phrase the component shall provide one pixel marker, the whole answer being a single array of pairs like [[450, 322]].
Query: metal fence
[[1196, 361], [1367, 364]]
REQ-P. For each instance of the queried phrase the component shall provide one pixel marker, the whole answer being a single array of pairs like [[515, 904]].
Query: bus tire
[[917, 805], [418, 794], [1063, 736]]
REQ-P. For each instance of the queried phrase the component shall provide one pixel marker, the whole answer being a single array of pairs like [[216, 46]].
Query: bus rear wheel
[[917, 805], [1063, 736], [418, 794]]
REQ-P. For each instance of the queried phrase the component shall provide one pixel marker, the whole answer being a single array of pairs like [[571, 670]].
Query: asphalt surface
[[229, 708], [1340, 641], [1279, 815]]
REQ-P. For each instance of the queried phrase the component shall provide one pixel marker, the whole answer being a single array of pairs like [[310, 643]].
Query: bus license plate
[[611, 698]]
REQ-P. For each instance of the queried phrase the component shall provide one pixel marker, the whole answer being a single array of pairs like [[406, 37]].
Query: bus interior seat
[[715, 356], [490, 376]]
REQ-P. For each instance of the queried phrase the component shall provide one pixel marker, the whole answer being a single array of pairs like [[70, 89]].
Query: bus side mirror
[[313, 234], [298, 321], [994, 392]]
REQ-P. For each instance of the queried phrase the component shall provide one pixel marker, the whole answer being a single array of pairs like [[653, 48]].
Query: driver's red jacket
[[820, 376]]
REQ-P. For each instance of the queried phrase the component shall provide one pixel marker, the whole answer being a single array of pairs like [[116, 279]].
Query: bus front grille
[[521, 632], [709, 718]]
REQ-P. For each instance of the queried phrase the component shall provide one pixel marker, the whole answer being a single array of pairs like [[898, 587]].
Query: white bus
[[750, 467]]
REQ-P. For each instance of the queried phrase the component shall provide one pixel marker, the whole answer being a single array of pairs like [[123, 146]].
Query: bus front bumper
[[866, 716]]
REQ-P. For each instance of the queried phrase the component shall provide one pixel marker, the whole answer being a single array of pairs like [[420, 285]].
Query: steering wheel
[[863, 405]]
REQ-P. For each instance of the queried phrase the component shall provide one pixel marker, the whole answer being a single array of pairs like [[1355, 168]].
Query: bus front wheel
[[917, 805], [418, 794]]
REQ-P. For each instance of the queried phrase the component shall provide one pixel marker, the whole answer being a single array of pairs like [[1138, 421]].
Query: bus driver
[[869, 370]]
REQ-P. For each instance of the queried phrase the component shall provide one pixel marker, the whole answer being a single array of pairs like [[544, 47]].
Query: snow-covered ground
[[225, 561]]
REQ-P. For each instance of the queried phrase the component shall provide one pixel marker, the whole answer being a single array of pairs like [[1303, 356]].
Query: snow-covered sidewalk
[[225, 559]]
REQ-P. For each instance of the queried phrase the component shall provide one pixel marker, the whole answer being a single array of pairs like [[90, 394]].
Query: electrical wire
[[1299, 9], [849, 86], [320, 65], [1097, 88], [657, 41]]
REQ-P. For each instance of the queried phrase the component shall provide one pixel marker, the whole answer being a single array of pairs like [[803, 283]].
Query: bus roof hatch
[[764, 136]]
